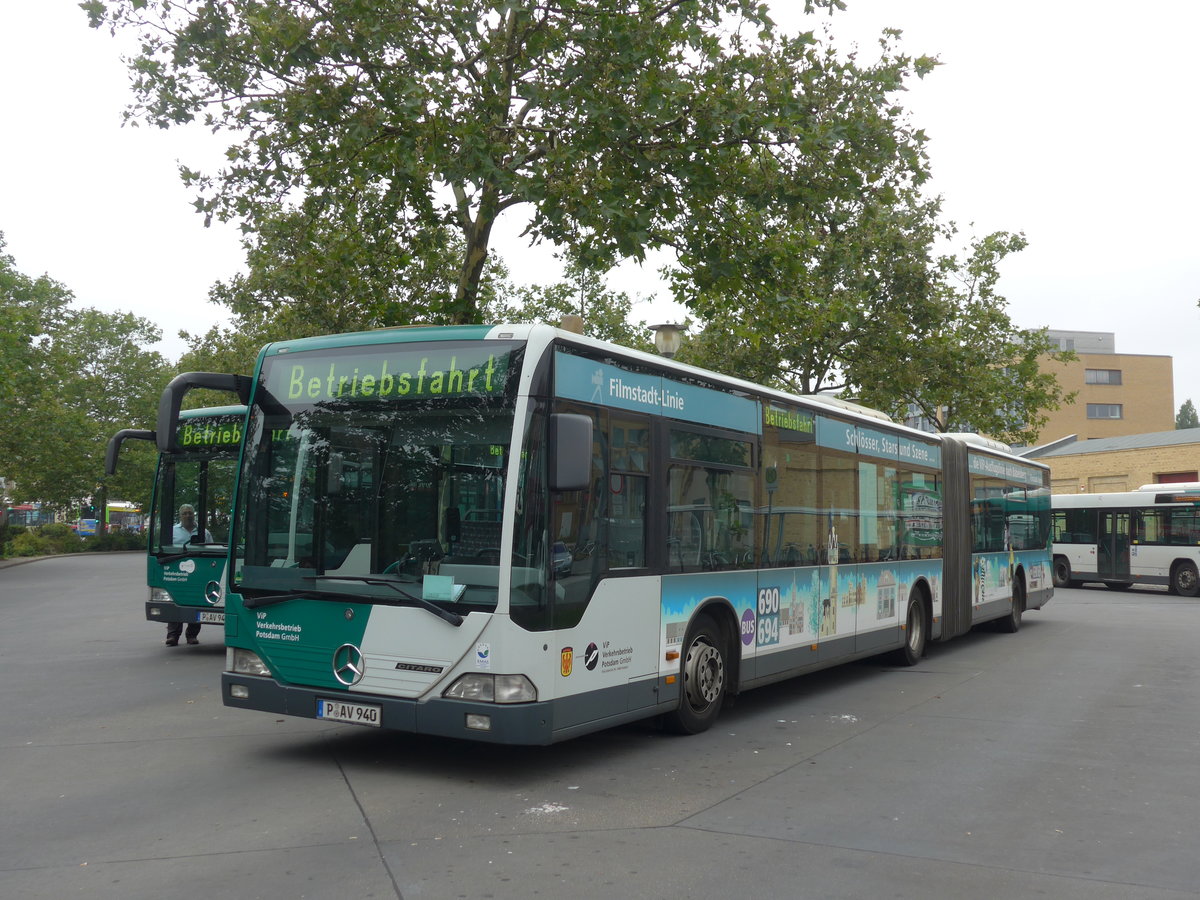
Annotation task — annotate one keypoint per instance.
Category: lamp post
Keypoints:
(667, 338)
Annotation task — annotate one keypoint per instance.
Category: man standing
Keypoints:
(185, 530)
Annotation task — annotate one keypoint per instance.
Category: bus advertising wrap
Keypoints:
(576, 378)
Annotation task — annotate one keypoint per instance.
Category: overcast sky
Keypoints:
(1073, 121)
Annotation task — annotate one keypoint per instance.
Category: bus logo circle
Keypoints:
(748, 627)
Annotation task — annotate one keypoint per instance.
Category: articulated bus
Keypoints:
(517, 534)
(1149, 536)
(186, 574)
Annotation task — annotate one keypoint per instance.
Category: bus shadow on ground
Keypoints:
(360, 748)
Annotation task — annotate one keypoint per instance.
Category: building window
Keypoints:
(1102, 376)
(1104, 411)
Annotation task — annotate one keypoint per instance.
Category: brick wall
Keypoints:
(1120, 470)
(1146, 395)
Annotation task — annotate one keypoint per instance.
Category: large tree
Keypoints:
(972, 368)
(619, 125)
(69, 379)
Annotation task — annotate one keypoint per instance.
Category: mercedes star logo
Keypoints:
(348, 665)
(212, 592)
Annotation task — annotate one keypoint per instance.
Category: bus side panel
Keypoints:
(1039, 582)
(608, 664)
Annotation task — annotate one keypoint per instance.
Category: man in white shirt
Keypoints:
(185, 530)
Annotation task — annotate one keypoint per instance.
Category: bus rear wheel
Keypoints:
(1011, 623)
(1184, 580)
(1062, 572)
(916, 633)
(705, 677)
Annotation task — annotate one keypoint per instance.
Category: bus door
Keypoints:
(1112, 545)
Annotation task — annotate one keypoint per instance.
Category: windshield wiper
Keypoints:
(311, 593)
(446, 615)
(198, 546)
(272, 599)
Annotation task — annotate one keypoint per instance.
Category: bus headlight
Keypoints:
(243, 662)
(160, 595)
(483, 688)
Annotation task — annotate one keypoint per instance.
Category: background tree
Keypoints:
(1186, 417)
(69, 379)
(618, 123)
(606, 313)
(972, 369)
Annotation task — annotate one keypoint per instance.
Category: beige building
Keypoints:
(1116, 393)
(1121, 463)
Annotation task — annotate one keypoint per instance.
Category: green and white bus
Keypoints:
(186, 575)
(1149, 536)
(517, 534)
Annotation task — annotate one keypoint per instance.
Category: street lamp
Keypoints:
(667, 338)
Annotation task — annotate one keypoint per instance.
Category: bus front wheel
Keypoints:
(705, 677)
(1184, 580)
(1011, 623)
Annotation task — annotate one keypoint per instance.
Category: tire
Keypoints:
(1011, 623)
(916, 633)
(1062, 572)
(705, 674)
(1184, 580)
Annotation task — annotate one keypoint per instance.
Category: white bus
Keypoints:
(1138, 537)
(517, 534)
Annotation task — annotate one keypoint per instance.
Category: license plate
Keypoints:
(211, 618)
(354, 713)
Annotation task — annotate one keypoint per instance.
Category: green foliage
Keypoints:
(605, 313)
(1186, 417)
(971, 368)
(363, 131)
(112, 541)
(46, 540)
(69, 379)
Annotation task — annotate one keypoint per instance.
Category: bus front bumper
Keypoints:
(517, 723)
(170, 612)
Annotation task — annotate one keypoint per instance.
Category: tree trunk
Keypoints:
(465, 310)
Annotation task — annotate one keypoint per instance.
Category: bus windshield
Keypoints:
(352, 491)
(194, 488)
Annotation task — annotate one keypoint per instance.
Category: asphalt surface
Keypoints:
(1060, 762)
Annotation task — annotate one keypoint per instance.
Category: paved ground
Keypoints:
(1059, 762)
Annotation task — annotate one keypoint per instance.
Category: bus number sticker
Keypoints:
(768, 616)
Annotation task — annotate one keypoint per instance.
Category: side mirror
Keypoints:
(114, 446)
(172, 399)
(570, 453)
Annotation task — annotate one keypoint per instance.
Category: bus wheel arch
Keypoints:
(707, 670)
(1185, 581)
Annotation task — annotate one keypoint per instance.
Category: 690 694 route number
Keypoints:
(768, 616)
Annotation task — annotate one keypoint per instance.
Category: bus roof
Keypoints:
(540, 336)
(1125, 499)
